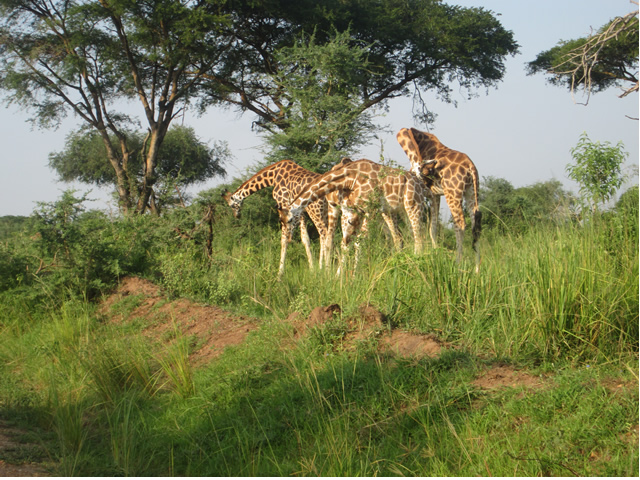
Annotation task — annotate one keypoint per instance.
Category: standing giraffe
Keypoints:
(359, 182)
(446, 172)
(287, 179)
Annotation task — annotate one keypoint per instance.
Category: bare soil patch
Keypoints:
(502, 376)
(211, 328)
(12, 447)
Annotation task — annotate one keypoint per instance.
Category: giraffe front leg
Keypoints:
(284, 241)
(332, 217)
(415, 219)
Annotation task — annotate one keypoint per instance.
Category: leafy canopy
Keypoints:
(183, 159)
(412, 46)
(82, 57)
(326, 118)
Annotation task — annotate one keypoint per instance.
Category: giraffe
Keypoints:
(288, 178)
(445, 172)
(359, 182)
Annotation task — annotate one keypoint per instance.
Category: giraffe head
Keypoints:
(234, 202)
(290, 220)
(428, 168)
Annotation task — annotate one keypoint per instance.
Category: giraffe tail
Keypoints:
(476, 221)
(476, 227)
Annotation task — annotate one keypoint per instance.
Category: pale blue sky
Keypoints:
(522, 131)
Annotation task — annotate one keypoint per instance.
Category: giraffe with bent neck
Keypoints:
(445, 172)
(288, 179)
(358, 182)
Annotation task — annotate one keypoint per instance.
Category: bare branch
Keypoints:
(580, 62)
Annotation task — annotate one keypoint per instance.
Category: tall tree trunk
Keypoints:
(149, 178)
(120, 167)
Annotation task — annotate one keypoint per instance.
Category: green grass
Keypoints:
(559, 303)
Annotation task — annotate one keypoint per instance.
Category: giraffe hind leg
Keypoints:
(350, 223)
(304, 237)
(455, 205)
(392, 224)
(434, 211)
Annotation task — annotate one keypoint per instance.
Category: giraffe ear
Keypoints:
(414, 135)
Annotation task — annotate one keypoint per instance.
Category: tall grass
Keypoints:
(558, 299)
(553, 291)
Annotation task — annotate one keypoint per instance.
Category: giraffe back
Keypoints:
(442, 168)
(358, 182)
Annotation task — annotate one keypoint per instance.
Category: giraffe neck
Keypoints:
(263, 179)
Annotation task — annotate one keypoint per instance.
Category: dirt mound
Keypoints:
(211, 329)
(506, 376)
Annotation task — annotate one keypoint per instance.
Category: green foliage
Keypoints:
(82, 57)
(598, 62)
(515, 210)
(326, 117)
(445, 44)
(558, 302)
(68, 57)
(85, 251)
(263, 410)
(183, 160)
(597, 168)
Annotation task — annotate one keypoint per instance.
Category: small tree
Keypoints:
(325, 115)
(60, 57)
(182, 160)
(598, 169)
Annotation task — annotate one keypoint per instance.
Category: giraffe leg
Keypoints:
(364, 230)
(332, 217)
(284, 241)
(391, 221)
(476, 223)
(434, 210)
(414, 212)
(304, 237)
(323, 241)
(350, 223)
(455, 205)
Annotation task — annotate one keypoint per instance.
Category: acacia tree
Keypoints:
(607, 58)
(325, 116)
(61, 56)
(183, 160)
(412, 46)
(82, 57)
